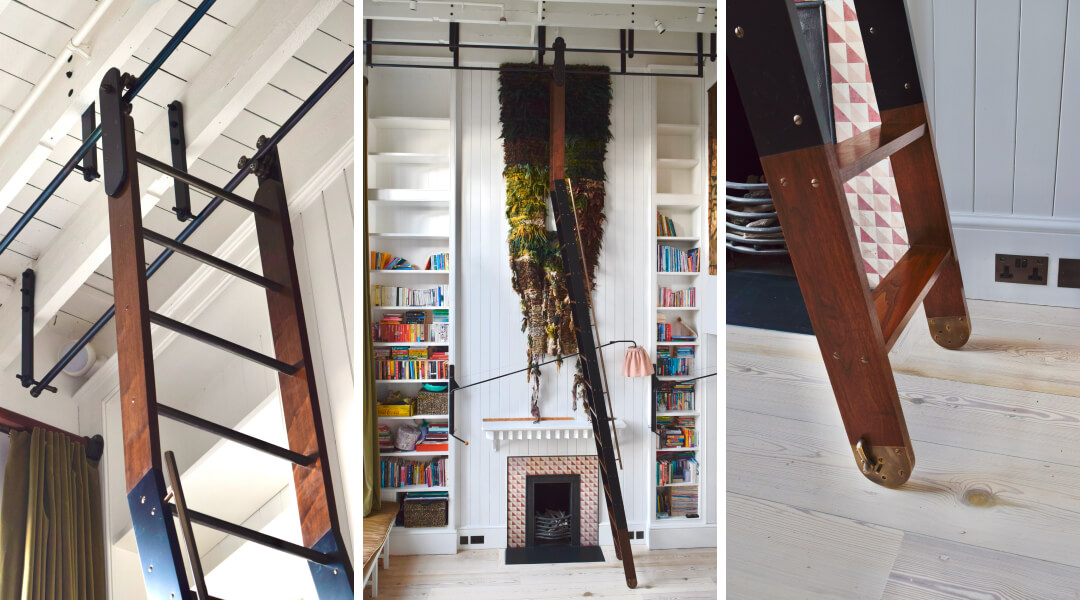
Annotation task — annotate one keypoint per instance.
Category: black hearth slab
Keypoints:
(766, 301)
(542, 555)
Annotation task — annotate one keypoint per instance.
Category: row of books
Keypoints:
(384, 261)
(676, 502)
(436, 439)
(677, 467)
(674, 366)
(676, 299)
(670, 259)
(412, 369)
(397, 472)
(676, 435)
(665, 227)
(674, 352)
(389, 295)
(664, 334)
(395, 332)
(438, 262)
(674, 395)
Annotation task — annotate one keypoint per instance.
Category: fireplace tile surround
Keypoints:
(519, 467)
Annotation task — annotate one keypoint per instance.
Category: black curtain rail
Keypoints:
(455, 387)
(515, 70)
(88, 144)
(529, 48)
(191, 227)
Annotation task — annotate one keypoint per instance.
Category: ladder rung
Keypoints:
(221, 343)
(202, 184)
(860, 152)
(235, 436)
(903, 289)
(260, 538)
(209, 259)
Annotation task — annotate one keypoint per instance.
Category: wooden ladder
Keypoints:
(806, 171)
(152, 514)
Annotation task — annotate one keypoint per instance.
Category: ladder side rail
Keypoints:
(155, 532)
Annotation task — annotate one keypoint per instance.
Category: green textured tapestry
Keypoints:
(535, 262)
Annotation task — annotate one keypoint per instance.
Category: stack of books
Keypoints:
(684, 501)
(438, 262)
(677, 467)
(675, 395)
(396, 472)
(680, 299)
(411, 362)
(676, 432)
(437, 439)
(664, 334)
(386, 439)
(674, 360)
(393, 328)
(665, 227)
(670, 259)
(381, 261)
(389, 295)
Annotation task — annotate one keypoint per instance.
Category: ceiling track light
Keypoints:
(700, 13)
(412, 5)
(659, 27)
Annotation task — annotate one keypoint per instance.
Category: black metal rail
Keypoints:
(233, 183)
(222, 344)
(209, 259)
(234, 436)
(90, 140)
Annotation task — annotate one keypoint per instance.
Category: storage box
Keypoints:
(432, 403)
(395, 410)
(425, 512)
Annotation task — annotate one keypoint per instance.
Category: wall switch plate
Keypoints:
(1017, 268)
(1069, 273)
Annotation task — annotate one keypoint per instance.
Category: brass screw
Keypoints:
(142, 500)
(815, 182)
(865, 360)
(872, 32)
(240, 163)
(798, 119)
(739, 32)
(836, 355)
(907, 86)
(783, 181)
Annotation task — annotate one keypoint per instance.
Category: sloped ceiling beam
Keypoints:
(50, 112)
(239, 69)
(678, 16)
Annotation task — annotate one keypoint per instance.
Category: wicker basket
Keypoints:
(425, 513)
(432, 403)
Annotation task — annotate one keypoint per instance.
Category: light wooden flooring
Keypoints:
(992, 509)
(482, 575)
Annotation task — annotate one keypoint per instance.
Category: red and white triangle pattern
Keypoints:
(519, 467)
(875, 205)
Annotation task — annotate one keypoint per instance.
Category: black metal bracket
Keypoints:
(541, 44)
(89, 126)
(622, 50)
(701, 54)
(455, 39)
(712, 47)
(113, 143)
(178, 143)
(27, 375)
(560, 62)
(269, 166)
(630, 43)
(369, 28)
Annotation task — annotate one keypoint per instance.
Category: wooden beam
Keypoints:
(51, 111)
(244, 64)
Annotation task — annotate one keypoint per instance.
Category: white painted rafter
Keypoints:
(254, 52)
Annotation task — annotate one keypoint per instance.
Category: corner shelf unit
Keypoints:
(413, 211)
(679, 193)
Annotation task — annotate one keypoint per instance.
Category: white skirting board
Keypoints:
(979, 237)
(420, 541)
(667, 538)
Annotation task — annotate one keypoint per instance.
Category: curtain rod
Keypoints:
(13, 421)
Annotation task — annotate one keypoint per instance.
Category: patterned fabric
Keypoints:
(875, 205)
(519, 467)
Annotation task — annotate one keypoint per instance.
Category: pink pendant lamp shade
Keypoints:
(636, 362)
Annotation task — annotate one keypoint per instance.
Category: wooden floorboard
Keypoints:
(993, 507)
(482, 574)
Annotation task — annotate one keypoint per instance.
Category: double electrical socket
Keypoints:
(1032, 270)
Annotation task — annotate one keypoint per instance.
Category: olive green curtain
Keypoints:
(371, 412)
(50, 521)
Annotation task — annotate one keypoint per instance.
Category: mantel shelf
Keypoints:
(497, 431)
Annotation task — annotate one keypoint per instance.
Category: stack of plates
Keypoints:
(752, 226)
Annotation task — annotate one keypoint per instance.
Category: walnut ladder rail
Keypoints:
(806, 171)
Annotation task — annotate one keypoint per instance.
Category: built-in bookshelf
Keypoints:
(678, 215)
(412, 211)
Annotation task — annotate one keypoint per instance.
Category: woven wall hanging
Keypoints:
(535, 261)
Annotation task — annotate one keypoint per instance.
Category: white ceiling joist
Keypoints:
(675, 16)
(49, 113)
(240, 68)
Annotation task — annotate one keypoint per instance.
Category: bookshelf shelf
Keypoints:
(679, 220)
(412, 195)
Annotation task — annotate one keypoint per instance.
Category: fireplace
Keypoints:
(552, 509)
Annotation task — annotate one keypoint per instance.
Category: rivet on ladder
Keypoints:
(142, 500)
(798, 119)
(872, 32)
(739, 32)
(783, 181)
(836, 355)
(865, 360)
(815, 182)
(907, 86)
